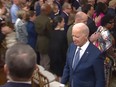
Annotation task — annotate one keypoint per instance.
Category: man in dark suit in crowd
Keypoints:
(89, 10)
(20, 62)
(75, 4)
(85, 68)
(66, 9)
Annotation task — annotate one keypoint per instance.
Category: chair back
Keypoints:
(39, 80)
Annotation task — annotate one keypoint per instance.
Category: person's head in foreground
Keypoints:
(20, 62)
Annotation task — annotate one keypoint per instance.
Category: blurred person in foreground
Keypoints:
(88, 70)
(20, 62)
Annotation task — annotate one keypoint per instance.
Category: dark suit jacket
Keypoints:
(59, 5)
(91, 25)
(12, 84)
(66, 17)
(32, 35)
(75, 4)
(89, 71)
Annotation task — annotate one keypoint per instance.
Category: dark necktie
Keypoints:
(76, 58)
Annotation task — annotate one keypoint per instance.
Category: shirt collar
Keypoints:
(11, 80)
(66, 13)
(84, 47)
(27, 82)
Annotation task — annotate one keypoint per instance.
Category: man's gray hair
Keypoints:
(83, 27)
(21, 61)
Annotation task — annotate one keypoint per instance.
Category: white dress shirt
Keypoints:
(83, 48)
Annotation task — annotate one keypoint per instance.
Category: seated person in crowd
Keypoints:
(10, 36)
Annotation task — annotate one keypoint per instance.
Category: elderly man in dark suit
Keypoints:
(84, 65)
(89, 10)
(20, 63)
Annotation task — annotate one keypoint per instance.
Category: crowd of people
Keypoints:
(56, 30)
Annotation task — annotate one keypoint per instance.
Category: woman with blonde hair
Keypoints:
(20, 26)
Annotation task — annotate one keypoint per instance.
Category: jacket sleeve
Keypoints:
(99, 72)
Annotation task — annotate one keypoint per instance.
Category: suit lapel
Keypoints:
(84, 58)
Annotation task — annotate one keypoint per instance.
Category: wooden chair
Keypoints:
(39, 80)
(43, 78)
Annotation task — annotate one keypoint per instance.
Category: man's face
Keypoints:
(69, 9)
(92, 2)
(16, 2)
(79, 37)
(5, 29)
(83, 19)
(41, 2)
